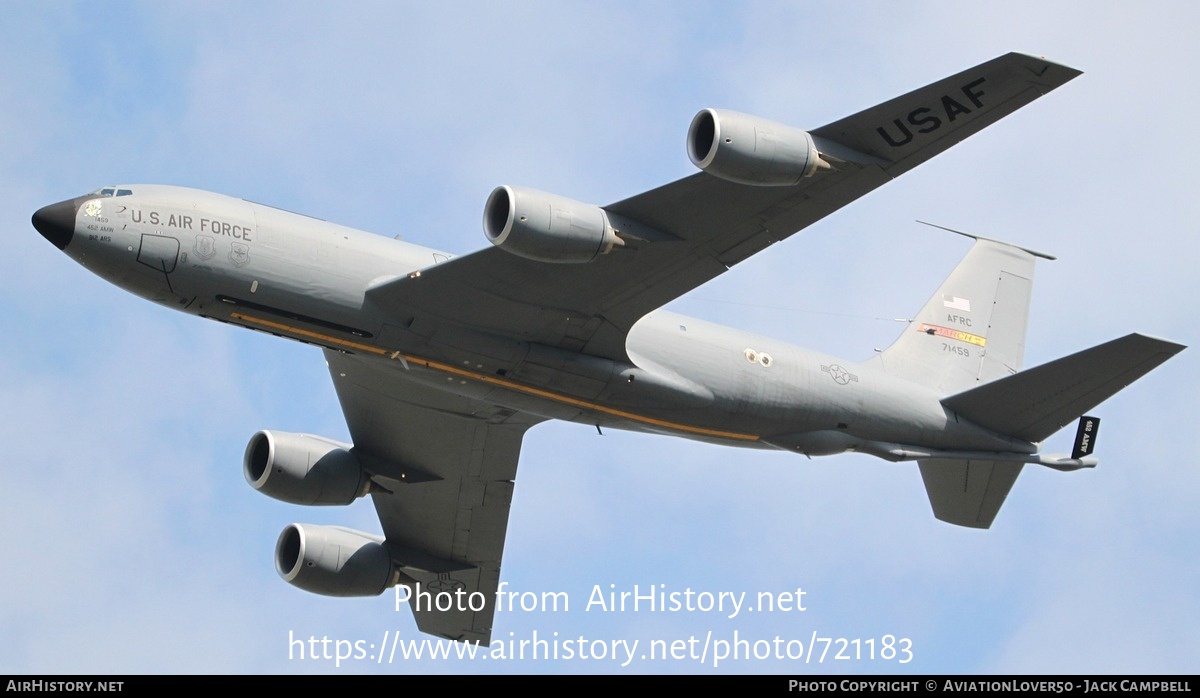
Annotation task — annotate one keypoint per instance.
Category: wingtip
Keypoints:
(1046, 71)
(1167, 345)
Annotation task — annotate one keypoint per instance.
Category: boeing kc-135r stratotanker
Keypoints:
(443, 363)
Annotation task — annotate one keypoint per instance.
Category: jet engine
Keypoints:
(334, 561)
(545, 227)
(303, 469)
(749, 150)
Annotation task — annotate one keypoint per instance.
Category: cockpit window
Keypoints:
(111, 191)
(124, 192)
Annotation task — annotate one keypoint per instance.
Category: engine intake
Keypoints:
(334, 561)
(545, 227)
(303, 469)
(749, 150)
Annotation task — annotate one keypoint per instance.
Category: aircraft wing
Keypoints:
(709, 224)
(444, 466)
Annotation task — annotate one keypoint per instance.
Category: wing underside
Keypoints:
(444, 465)
(710, 224)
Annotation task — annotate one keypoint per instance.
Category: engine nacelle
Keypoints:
(749, 150)
(545, 227)
(334, 561)
(303, 469)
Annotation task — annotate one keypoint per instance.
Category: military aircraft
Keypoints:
(442, 363)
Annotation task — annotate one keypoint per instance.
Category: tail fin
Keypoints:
(1032, 405)
(973, 329)
(969, 340)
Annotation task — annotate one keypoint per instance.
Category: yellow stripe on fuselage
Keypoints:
(492, 380)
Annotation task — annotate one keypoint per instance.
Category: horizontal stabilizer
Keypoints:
(1035, 403)
(968, 492)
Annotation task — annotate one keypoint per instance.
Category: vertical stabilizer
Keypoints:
(973, 329)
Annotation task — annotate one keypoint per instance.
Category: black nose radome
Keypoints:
(56, 222)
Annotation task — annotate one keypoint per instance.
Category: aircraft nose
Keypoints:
(56, 222)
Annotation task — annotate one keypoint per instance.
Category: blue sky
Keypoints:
(133, 543)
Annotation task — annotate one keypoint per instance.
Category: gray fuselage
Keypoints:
(306, 279)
